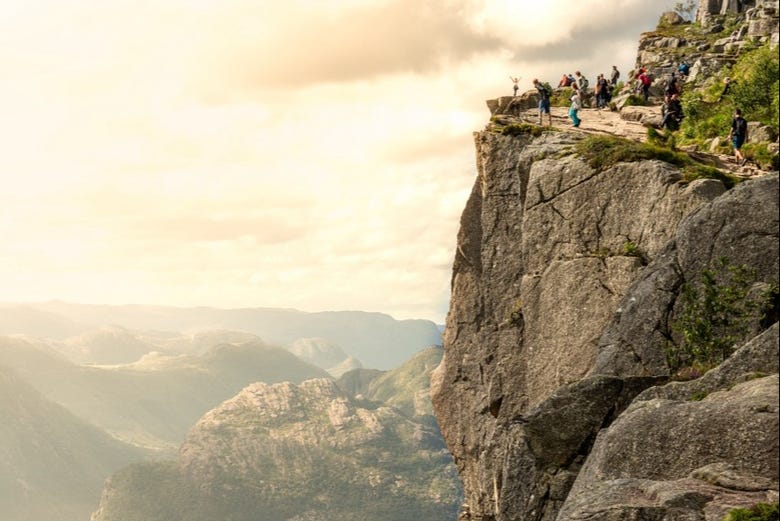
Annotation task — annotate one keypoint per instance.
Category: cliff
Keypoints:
(576, 274)
(566, 283)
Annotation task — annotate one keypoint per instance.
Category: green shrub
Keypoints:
(754, 90)
(631, 250)
(718, 310)
(561, 97)
(635, 100)
(666, 140)
(758, 512)
(759, 153)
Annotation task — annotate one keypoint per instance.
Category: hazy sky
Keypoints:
(242, 153)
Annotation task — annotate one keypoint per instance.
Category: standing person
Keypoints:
(673, 113)
(645, 82)
(515, 84)
(544, 101)
(738, 135)
(726, 88)
(602, 91)
(582, 86)
(615, 75)
(576, 105)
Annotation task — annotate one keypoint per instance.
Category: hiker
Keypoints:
(544, 101)
(582, 86)
(566, 80)
(645, 82)
(581, 81)
(673, 113)
(671, 87)
(576, 105)
(602, 91)
(684, 69)
(615, 75)
(726, 88)
(515, 84)
(738, 135)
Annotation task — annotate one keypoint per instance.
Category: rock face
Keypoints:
(564, 285)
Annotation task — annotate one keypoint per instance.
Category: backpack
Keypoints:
(584, 82)
(740, 126)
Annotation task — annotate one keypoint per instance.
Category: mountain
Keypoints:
(150, 403)
(23, 319)
(106, 345)
(52, 464)
(377, 340)
(324, 354)
(611, 342)
(408, 387)
(293, 452)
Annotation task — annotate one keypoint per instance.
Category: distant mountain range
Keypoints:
(88, 390)
(376, 339)
(151, 403)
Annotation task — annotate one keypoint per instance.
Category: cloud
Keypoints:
(292, 49)
(592, 38)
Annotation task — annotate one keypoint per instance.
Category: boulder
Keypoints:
(760, 133)
(671, 18)
(697, 458)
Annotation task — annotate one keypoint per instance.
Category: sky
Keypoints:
(254, 153)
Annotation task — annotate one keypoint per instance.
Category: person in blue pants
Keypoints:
(576, 105)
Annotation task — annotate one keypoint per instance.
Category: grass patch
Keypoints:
(696, 171)
(759, 153)
(602, 152)
(758, 512)
(698, 396)
(631, 250)
(518, 129)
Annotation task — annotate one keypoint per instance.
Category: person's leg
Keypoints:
(546, 108)
(737, 142)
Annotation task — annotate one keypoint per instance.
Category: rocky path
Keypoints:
(631, 125)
